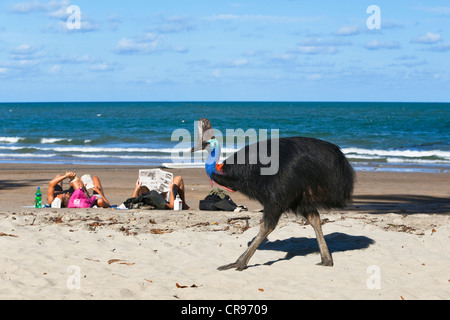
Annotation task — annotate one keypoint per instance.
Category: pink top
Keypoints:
(80, 200)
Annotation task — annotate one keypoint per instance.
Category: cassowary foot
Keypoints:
(242, 261)
(236, 265)
(325, 263)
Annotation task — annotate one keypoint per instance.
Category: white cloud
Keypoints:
(26, 52)
(146, 44)
(86, 26)
(239, 62)
(320, 46)
(317, 50)
(31, 61)
(24, 59)
(56, 10)
(216, 74)
(386, 24)
(315, 76)
(444, 47)
(437, 10)
(94, 64)
(60, 13)
(260, 18)
(114, 22)
(406, 57)
(410, 63)
(37, 6)
(236, 63)
(24, 49)
(228, 63)
(75, 59)
(283, 58)
(376, 45)
(102, 67)
(13, 68)
(175, 24)
(428, 38)
(181, 49)
(55, 69)
(348, 31)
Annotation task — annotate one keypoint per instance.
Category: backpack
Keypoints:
(151, 199)
(217, 200)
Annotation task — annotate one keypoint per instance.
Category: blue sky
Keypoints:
(224, 51)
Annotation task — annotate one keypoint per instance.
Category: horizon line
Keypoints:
(219, 101)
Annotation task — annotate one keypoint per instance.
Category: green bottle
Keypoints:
(38, 199)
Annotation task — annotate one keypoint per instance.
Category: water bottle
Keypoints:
(56, 203)
(38, 199)
(178, 203)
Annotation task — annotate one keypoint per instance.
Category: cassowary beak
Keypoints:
(200, 147)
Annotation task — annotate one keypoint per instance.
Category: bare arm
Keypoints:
(54, 182)
(136, 188)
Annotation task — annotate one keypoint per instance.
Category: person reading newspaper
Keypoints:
(162, 182)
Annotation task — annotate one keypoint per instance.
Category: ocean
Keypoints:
(374, 136)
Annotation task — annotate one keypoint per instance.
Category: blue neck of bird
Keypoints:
(213, 159)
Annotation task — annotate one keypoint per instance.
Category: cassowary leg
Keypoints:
(242, 261)
(314, 220)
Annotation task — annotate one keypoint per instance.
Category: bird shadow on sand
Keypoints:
(301, 246)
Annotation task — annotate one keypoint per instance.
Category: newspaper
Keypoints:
(87, 180)
(155, 179)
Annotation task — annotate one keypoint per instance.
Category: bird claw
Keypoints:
(227, 266)
(325, 263)
(231, 266)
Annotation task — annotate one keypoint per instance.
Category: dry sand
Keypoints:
(391, 243)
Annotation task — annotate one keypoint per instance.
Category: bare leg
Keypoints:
(314, 220)
(241, 263)
(101, 202)
(178, 188)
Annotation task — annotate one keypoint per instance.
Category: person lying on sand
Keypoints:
(55, 190)
(176, 186)
(77, 196)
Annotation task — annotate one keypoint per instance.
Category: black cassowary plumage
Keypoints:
(312, 175)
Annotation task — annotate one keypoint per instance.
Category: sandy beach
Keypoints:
(391, 243)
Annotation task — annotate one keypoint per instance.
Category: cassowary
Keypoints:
(312, 175)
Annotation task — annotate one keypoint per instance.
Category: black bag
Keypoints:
(152, 199)
(217, 201)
